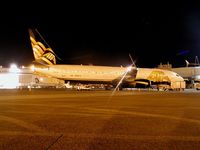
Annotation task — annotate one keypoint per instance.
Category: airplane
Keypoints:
(129, 76)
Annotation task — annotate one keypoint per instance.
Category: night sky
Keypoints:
(105, 36)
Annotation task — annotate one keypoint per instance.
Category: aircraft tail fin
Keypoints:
(42, 52)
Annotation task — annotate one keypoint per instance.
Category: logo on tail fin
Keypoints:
(42, 54)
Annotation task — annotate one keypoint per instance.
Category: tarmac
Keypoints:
(49, 119)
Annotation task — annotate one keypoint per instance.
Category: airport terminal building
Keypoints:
(190, 73)
(23, 77)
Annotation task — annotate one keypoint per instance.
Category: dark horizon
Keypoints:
(150, 34)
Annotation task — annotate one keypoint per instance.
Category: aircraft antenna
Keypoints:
(42, 38)
(133, 63)
(45, 42)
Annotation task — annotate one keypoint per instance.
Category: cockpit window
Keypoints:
(177, 75)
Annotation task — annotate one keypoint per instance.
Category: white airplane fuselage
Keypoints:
(82, 72)
(106, 73)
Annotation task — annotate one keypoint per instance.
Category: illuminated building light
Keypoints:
(13, 68)
(32, 67)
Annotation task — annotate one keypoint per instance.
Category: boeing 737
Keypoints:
(128, 76)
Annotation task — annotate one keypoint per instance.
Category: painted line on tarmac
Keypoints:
(144, 114)
(114, 111)
(102, 136)
(26, 97)
(21, 123)
(91, 113)
(109, 112)
(67, 95)
(40, 105)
